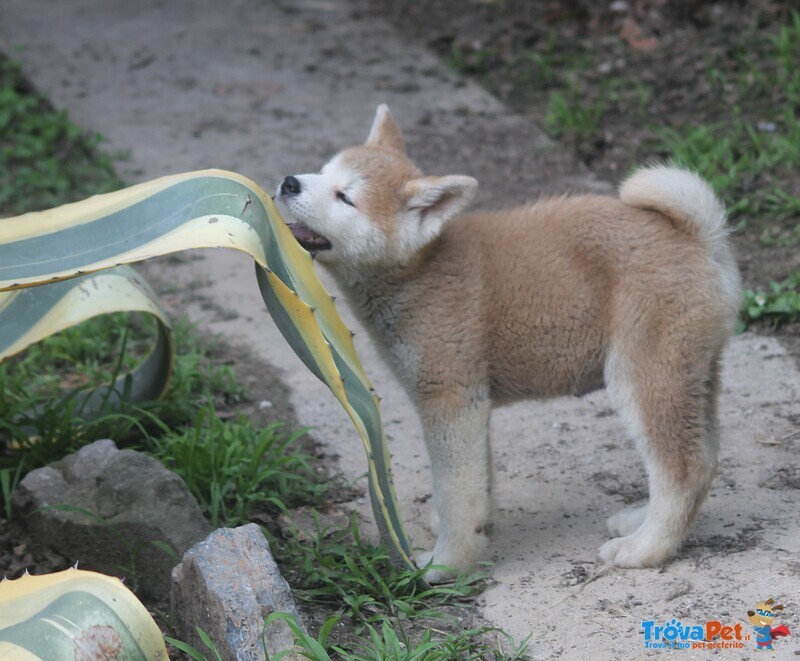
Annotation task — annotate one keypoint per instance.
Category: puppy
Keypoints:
(559, 297)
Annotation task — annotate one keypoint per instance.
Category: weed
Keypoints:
(85, 354)
(231, 467)
(786, 44)
(337, 567)
(780, 305)
(39, 431)
(544, 66)
(391, 641)
(45, 160)
(470, 60)
(196, 379)
(9, 479)
(192, 652)
(570, 115)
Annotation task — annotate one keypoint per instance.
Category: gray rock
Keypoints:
(113, 511)
(227, 585)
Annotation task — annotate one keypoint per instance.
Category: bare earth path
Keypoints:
(270, 88)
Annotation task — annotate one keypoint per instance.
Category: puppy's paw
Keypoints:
(627, 521)
(434, 575)
(434, 522)
(451, 556)
(636, 550)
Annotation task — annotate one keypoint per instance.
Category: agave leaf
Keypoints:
(205, 209)
(75, 614)
(30, 315)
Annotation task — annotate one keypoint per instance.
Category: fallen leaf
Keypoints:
(631, 33)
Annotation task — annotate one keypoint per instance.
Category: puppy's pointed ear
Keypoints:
(437, 199)
(385, 132)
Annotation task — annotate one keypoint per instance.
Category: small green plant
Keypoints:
(232, 467)
(338, 567)
(45, 160)
(42, 431)
(192, 652)
(786, 45)
(570, 114)
(87, 354)
(391, 641)
(779, 305)
(196, 379)
(468, 60)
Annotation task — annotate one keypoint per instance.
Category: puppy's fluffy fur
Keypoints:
(558, 297)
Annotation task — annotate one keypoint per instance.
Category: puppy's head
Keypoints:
(370, 205)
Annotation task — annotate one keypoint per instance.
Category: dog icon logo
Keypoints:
(762, 618)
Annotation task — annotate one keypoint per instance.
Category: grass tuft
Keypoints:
(45, 160)
(336, 566)
(780, 305)
(231, 467)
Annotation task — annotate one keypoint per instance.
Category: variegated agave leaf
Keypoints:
(75, 614)
(30, 315)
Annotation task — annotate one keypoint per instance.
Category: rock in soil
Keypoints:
(113, 511)
(227, 585)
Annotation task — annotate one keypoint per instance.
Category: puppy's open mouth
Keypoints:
(308, 238)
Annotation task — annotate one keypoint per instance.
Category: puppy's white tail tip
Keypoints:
(680, 194)
(687, 198)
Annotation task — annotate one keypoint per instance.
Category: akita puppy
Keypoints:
(558, 297)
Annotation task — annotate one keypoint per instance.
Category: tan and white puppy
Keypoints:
(558, 297)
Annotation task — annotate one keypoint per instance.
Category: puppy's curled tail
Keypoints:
(687, 198)
(680, 194)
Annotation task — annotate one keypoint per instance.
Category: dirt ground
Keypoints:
(301, 80)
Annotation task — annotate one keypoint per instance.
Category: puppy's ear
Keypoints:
(385, 132)
(437, 199)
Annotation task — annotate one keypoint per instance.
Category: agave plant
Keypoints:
(71, 247)
(75, 614)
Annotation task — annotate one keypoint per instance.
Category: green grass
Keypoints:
(571, 115)
(82, 355)
(45, 160)
(752, 159)
(779, 305)
(337, 567)
(43, 389)
(231, 467)
(391, 641)
(197, 378)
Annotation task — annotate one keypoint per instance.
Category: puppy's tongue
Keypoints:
(303, 233)
(308, 238)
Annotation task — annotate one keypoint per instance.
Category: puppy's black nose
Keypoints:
(290, 186)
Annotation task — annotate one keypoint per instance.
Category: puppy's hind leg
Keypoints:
(670, 407)
(457, 436)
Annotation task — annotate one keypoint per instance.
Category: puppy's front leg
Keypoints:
(457, 436)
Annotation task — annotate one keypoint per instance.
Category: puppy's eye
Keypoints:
(342, 197)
